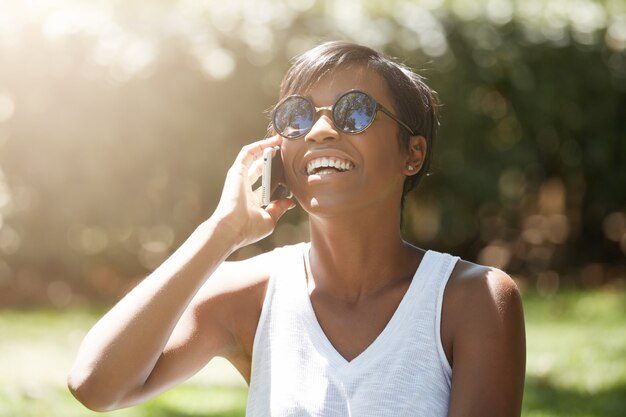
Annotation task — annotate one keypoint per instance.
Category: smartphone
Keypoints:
(273, 180)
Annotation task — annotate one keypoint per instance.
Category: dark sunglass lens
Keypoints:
(293, 117)
(354, 112)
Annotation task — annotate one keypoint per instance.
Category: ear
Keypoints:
(414, 158)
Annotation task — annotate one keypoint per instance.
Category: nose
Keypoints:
(322, 130)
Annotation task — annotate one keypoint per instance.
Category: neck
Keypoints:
(352, 256)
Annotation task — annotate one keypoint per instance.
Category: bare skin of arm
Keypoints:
(484, 339)
(150, 340)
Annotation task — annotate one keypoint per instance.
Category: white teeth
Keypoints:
(326, 162)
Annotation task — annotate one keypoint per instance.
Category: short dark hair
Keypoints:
(415, 103)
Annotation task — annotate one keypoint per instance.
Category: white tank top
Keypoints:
(297, 372)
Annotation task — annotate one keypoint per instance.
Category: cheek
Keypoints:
(381, 156)
(288, 152)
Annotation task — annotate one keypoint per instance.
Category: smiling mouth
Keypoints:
(325, 165)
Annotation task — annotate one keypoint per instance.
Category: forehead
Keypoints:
(339, 80)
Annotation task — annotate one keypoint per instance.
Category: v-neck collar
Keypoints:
(379, 345)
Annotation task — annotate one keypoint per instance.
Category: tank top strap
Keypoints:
(440, 267)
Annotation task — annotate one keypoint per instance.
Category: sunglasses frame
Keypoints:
(378, 107)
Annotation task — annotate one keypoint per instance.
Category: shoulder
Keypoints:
(236, 285)
(470, 282)
(478, 298)
(249, 276)
(484, 338)
(480, 301)
(234, 294)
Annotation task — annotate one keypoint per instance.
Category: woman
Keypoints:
(356, 322)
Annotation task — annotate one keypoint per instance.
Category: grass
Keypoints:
(576, 355)
(189, 400)
(576, 364)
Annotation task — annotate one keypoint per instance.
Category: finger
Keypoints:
(254, 150)
(257, 195)
(255, 171)
(279, 207)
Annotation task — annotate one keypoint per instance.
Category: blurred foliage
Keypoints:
(118, 121)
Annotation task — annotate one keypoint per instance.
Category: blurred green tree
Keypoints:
(118, 121)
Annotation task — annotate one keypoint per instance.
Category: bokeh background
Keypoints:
(119, 119)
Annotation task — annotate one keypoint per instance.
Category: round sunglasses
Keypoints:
(353, 112)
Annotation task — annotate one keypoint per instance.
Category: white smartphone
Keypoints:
(266, 179)
(272, 182)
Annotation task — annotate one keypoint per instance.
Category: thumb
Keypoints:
(279, 207)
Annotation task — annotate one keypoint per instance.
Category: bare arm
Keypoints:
(486, 319)
(133, 352)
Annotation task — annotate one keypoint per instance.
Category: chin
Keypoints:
(329, 205)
